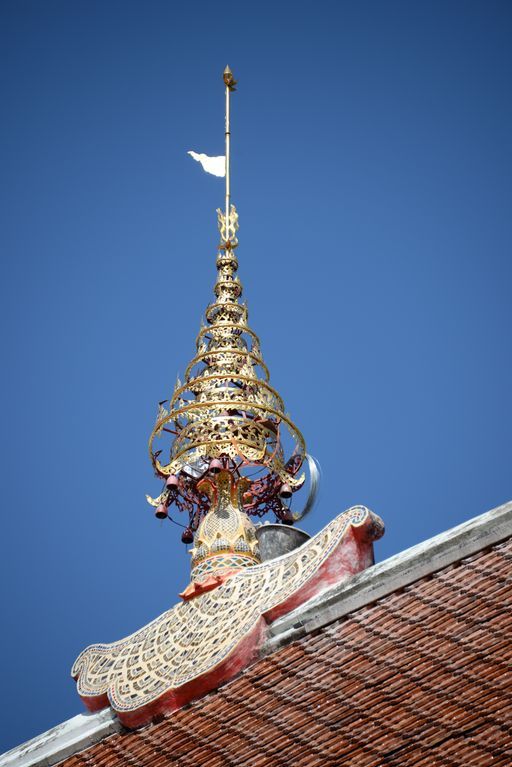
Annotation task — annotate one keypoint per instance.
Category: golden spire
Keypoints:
(226, 416)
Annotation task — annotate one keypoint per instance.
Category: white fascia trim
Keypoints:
(394, 573)
(64, 740)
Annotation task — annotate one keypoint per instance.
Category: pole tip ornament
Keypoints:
(229, 80)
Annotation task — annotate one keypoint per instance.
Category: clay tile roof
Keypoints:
(422, 677)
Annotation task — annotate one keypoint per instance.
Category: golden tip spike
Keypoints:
(229, 80)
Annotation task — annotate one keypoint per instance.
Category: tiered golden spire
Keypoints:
(225, 415)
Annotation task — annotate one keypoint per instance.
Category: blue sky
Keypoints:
(372, 173)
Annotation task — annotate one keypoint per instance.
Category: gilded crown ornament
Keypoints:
(232, 454)
(225, 419)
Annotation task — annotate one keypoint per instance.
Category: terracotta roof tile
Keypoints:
(421, 677)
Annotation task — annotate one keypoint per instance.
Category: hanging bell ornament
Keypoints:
(215, 466)
(161, 512)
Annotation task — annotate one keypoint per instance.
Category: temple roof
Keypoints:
(406, 663)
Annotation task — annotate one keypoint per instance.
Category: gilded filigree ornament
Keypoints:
(228, 229)
(226, 529)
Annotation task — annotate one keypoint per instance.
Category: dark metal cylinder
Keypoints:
(275, 540)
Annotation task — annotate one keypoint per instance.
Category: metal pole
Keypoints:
(228, 159)
(229, 82)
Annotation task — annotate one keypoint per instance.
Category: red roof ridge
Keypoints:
(392, 574)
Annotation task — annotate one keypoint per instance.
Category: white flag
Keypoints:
(214, 165)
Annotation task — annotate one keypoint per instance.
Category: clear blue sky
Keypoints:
(372, 173)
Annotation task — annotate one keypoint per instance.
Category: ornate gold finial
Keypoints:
(226, 416)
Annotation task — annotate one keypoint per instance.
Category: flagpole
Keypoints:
(230, 83)
(228, 154)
